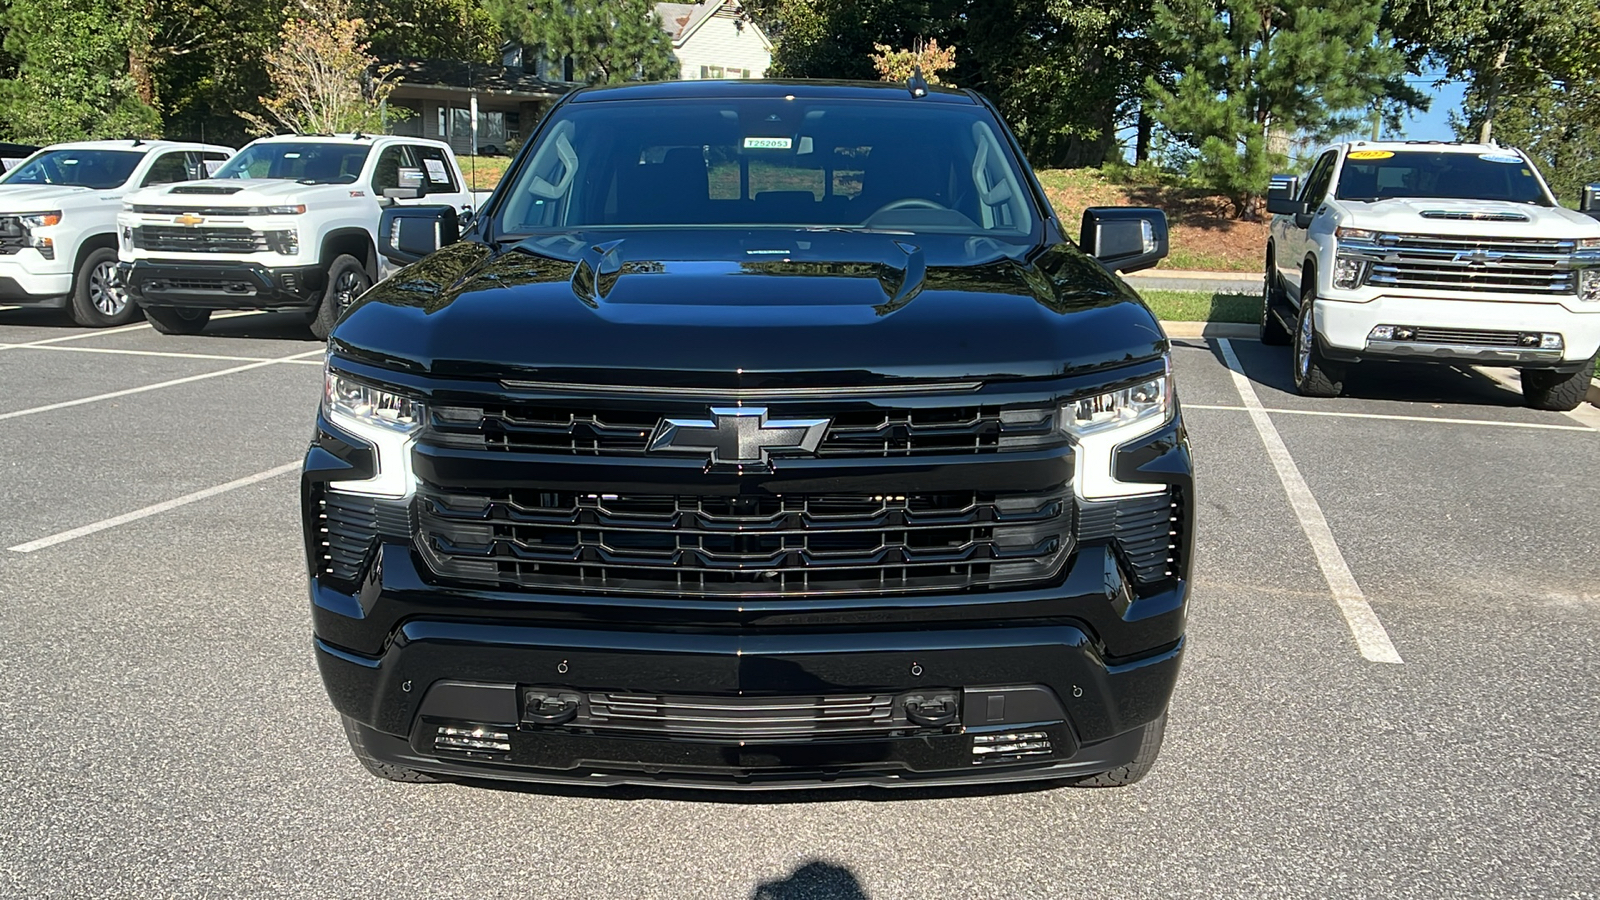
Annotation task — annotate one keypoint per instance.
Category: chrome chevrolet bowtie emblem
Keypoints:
(1478, 256)
(738, 436)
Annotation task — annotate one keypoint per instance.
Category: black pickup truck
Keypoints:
(756, 434)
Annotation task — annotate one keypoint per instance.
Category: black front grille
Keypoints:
(742, 718)
(200, 285)
(1471, 336)
(745, 546)
(348, 528)
(870, 432)
(13, 237)
(1144, 530)
(177, 239)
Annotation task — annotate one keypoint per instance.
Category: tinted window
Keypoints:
(892, 165)
(1462, 176)
(168, 168)
(1317, 181)
(313, 162)
(81, 168)
(386, 171)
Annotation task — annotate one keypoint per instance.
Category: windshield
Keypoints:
(890, 165)
(99, 169)
(1382, 174)
(311, 162)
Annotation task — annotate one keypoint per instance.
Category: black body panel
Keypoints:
(221, 285)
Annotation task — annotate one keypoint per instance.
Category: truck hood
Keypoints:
(15, 198)
(233, 192)
(1437, 216)
(673, 309)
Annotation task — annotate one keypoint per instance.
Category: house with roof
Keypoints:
(716, 39)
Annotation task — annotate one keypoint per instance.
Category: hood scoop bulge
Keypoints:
(204, 189)
(1473, 215)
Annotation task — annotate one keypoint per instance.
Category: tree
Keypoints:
(611, 42)
(434, 29)
(323, 78)
(71, 80)
(1255, 73)
(899, 65)
(1561, 136)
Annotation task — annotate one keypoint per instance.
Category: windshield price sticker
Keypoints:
(768, 143)
(1370, 154)
(1500, 158)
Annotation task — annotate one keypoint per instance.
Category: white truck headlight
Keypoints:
(1098, 425)
(41, 220)
(1589, 285)
(385, 419)
(1347, 272)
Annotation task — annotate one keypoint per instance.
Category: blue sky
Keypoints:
(1434, 125)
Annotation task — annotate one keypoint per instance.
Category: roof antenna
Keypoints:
(138, 142)
(916, 84)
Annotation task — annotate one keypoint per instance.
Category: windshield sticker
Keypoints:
(436, 172)
(767, 143)
(1370, 154)
(1501, 158)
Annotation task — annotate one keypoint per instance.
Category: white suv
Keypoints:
(58, 220)
(1454, 253)
(290, 223)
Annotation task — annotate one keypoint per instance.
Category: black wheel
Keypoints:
(178, 321)
(1543, 389)
(347, 280)
(98, 301)
(387, 771)
(1143, 761)
(1272, 331)
(1314, 376)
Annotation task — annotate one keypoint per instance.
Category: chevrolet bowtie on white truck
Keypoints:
(58, 220)
(1454, 253)
(289, 224)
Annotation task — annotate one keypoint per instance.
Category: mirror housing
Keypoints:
(1281, 196)
(1589, 201)
(1124, 238)
(409, 233)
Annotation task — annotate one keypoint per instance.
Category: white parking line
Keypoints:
(151, 510)
(1371, 638)
(170, 354)
(1355, 415)
(1511, 380)
(98, 332)
(152, 387)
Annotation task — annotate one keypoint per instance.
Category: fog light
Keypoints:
(1402, 333)
(1551, 342)
(1589, 285)
(472, 740)
(1382, 333)
(46, 247)
(1346, 272)
(1012, 745)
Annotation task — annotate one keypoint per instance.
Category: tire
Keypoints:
(1314, 375)
(1272, 331)
(347, 280)
(1143, 761)
(386, 771)
(178, 321)
(96, 300)
(1543, 389)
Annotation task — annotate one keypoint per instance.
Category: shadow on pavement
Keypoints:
(265, 326)
(815, 880)
(1450, 383)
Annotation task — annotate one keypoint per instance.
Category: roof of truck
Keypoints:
(137, 145)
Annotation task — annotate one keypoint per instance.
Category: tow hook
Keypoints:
(541, 708)
(933, 710)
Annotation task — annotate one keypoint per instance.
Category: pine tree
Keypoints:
(609, 42)
(1253, 73)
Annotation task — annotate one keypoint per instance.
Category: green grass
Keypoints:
(489, 169)
(1204, 306)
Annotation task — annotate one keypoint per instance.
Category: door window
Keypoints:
(386, 174)
(436, 169)
(1317, 183)
(168, 168)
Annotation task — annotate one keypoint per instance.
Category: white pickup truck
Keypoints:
(290, 223)
(58, 220)
(1454, 253)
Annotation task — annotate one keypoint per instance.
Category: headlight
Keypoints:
(1589, 285)
(1589, 243)
(1346, 272)
(1098, 425)
(386, 420)
(41, 220)
(1354, 234)
(295, 210)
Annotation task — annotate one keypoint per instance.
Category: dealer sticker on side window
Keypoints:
(768, 143)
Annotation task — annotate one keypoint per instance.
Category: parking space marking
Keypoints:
(97, 332)
(165, 353)
(1386, 416)
(1511, 379)
(163, 384)
(153, 509)
(1370, 636)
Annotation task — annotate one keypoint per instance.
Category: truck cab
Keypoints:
(290, 224)
(58, 220)
(1451, 253)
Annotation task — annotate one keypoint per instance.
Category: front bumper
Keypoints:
(222, 285)
(1075, 713)
(28, 279)
(1345, 328)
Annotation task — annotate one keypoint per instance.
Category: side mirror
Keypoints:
(408, 233)
(1124, 238)
(1281, 196)
(1589, 202)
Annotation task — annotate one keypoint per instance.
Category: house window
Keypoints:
(705, 71)
(441, 132)
(735, 73)
(716, 71)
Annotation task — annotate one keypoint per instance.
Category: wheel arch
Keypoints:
(354, 242)
(106, 240)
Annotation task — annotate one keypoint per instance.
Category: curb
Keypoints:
(1196, 275)
(1594, 392)
(1216, 330)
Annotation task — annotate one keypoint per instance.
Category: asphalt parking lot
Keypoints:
(1392, 686)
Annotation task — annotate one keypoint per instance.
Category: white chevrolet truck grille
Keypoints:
(1459, 263)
